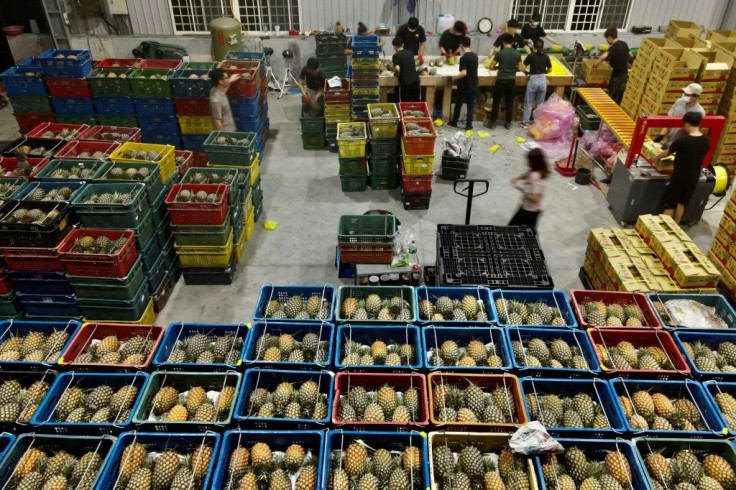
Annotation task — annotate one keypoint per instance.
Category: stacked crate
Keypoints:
(337, 108)
(366, 239)
(313, 129)
(351, 145)
(672, 70)
(28, 95)
(65, 73)
(725, 153)
(417, 159)
(640, 72)
(190, 87)
(383, 128)
(365, 71)
(112, 93)
(331, 54)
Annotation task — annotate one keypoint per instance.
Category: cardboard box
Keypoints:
(637, 81)
(720, 252)
(649, 45)
(649, 107)
(714, 86)
(692, 42)
(711, 99)
(661, 228)
(649, 149)
(717, 65)
(677, 63)
(667, 85)
(682, 28)
(599, 74)
(728, 281)
(630, 102)
(730, 211)
(725, 46)
(715, 35)
(689, 266)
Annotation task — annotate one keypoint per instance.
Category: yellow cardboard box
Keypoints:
(650, 45)
(728, 281)
(717, 66)
(682, 28)
(649, 106)
(676, 63)
(716, 86)
(662, 226)
(725, 45)
(649, 149)
(713, 98)
(599, 74)
(715, 35)
(689, 266)
(720, 252)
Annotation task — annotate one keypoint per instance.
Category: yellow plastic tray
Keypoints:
(250, 224)
(166, 159)
(206, 256)
(353, 147)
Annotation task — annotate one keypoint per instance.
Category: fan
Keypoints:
(292, 54)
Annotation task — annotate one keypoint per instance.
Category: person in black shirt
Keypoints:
(467, 84)
(618, 57)
(512, 26)
(414, 37)
(312, 83)
(533, 31)
(406, 71)
(450, 39)
(690, 149)
(536, 88)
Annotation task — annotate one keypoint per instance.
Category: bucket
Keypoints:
(582, 177)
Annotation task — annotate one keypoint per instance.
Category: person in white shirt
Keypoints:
(687, 103)
(532, 184)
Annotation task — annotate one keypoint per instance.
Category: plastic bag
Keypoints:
(553, 120)
(533, 438)
(556, 149)
(689, 313)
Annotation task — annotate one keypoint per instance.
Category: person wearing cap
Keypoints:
(451, 38)
(512, 26)
(618, 57)
(414, 37)
(687, 103)
(533, 31)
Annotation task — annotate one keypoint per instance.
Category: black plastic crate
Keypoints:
(207, 276)
(473, 271)
(416, 201)
(448, 173)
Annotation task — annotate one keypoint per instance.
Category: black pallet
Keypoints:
(479, 271)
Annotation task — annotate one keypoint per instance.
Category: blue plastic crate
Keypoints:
(154, 107)
(50, 305)
(555, 299)
(431, 293)
(369, 40)
(434, 336)
(158, 124)
(283, 293)
(390, 334)
(179, 332)
(18, 83)
(184, 86)
(41, 283)
(325, 331)
(599, 390)
(35, 60)
(366, 52)
(183, 443)
(574, 338)
(248, 125)
(17, 328)
(6, 441)
(73, 106)
(25, 379)
(312, 442)
(246, 106)
(44, 416)
(596, 451)
(722, 307)
(57, 64)
(115, 105)
(173, 139)
(713, 388)
(76, 186)
(246, 56)
(339, 440)
(193, 142)
(270, 379)
(710, 339)
(673, 389)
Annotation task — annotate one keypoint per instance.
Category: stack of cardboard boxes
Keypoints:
(672, 70)
(640, 73)
(721, 253)
(725, 153)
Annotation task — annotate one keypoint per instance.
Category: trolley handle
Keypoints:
(469, 193)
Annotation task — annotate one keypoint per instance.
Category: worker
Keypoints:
(687, 103)
(467, 84)
(406, 70)
(536, 88)
(618, 57)
(532, 185)
(312, 84)
(450, 39)
(512, 28)
(533, 31)
(690, 150)
(414, 37)
(508, 62)
(362, 31)
(222, 115)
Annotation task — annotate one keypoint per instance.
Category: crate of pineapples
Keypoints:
(710, 355)
(11, 187)
(116, 205)
(369, 401)
(593, 464)
(473, 459)
(98, 253)
(649, 354)
(127, 172)
(162, 155)
(693, 311)
(536, 308)
(289, 345)
(50, 191)
(667, 408)
(444, 306)
(21, 395)
(369, 459)
(573, 407)
(72, 170)
(687, 463)
(87, 150)
(361, 348)
(542, 351)
(254, 460)
(55, 461)
(33, 346)
(485, 402)
(87, 403)
(272, 399)
(201, 346)
(722, 396)
(295, 303)
(595, 309)
(374, 304)
(465, 349)
(34, 224)
(141, 460)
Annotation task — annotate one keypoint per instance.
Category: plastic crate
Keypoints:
(384, 182)
(99, 265)
(192, 106)
(15, 328)
(179, 332)
(692, 390)
(718, 302)
(413, 106)
(416, 183)
(31, 104)
(230, 155)
(47, 234)
(385, 292)
(195, 124)
(50, 305)
(417, 164)
(10, 308)
(153, 125)
(102, 84)
(153, 107)
(641, 338)
(312, 124)
(68, 63)
(119, 121)
(105, 310)
(195, 143)
(44, 416)
(366, 229)
(337, 94)
(49, 147)
(97, 215)
(159, 64)
(197, 213)
(117, 63)
(555, 299)
(110, 288)
(351, 147)
(44, 259)
(247, 85)
(315, 141)
(43, 283)
(27, 122)
(144, 417)
(283, 293)
(714, 388)
(111, 133)
(430, 293)
(73, 131)
(17, 184)
(19, 81)
(164, 156)
(383, 148)
(419, 144)
(86, 150)
(152, 183)
(68, 87)
(77, 446)
(172, 138)
(353, 167)
(209, 276)
(206, 256)
(198, 65)
(6, 286)
(73, 106)
(146, 318)
(184, 160)
(243, 107)
(91, 331)
(711, 340)
(352, 183)
(9, 166)
(6, 441)
(416, 201)
(90, 120)
(143, 86)
(580, 297)
(46, 174)
(574, 338)
(325, 332)
(203, 236)
(382, 127)
(589, 120)
(366, 335)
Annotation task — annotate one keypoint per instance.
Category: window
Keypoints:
(194, 16)
(575, 15)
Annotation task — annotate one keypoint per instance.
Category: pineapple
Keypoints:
(470, 461)
(687, 467)
(382, 464)
(659, 468)
(577, 464)
(141, 479)
(260, 454)
(164, 469)
(164, 400)
(200, 461)
(293, 306)
(355, 459)
(618, 467)
(643, 404)
(134, 455)
(238, 464)
(720, 470)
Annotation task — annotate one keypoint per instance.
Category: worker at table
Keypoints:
(533, 31)
(451, 38)
(687, 103)
(508, 62)
(406, 70)
(512, 26)
(618, 57)
(414, 37)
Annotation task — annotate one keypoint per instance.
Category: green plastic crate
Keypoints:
(366, 229)
(88, 120)
(9, 307)
(353, 166)
(146, 87)
(145, 230)
(383, 182)
(152, 182)
(383, 166)
(46, 174)
(119, 288)
(30, 104)
(351, 183)
(95, 215)
(102, 85)
(119, 121)
(589, 120)
(198, 65)
(210, 236)
(232, 155)
(313, 141)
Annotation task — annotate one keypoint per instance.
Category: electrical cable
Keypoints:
(715, 203)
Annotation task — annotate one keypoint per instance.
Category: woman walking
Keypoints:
(532, 185)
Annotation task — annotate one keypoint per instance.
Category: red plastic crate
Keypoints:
(75, 148)
(6, 286)
(245, 86)
(159, 64)
(188, 160)
(581, 296)
(98, 265)
(27, 122)
(199, 158)
(192, 106)
(8, 164)
(90, 332)
(68, 87)
(372, 382)
(56, 128)
(609, 337)
(32, 259)
(197, 213)
(366, 253)
(117, 63)
(415, 183)
(337, 94)
(413, 106)
(419, 145)
(92, 134)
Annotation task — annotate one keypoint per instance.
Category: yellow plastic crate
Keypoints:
(195, 124)
(248, 206)
(250, 224)
(383, 127)
(337, 110)
(353, 147)
(165, 157)
(366, 91)
(240, 246)
(367, 64)
(417, 164)
(206, 256)
(147, 318)
(337, 119)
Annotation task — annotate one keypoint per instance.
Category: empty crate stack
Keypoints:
(365, 72)
(383, 128)
(351, 143)
(366, 239)
(28, 95)
(337, 107)
(456, 157)
(150, 83)
(417, 159)
(333, 61)
(190, 87)
(313, 128)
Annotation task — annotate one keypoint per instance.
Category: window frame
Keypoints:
(570, 14)
(237, 11)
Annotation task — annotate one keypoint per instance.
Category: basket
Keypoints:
(210, 236)
(555, 299)
(325, 332)
(195, 124)
(494, 338)
(117, 63)
(711, 340)
(159, 64)
(230, 155)
(119, 121)
(245, 86)
(574, 338)
(192, 106)
(97, 215)
(197, 213)
(27, 122)
(68, 87)
(692, 390)
(384, 149)
(30, 235)
(589, 120)
(98, 265)
(715, 388)
(153, 111)
(361, 292)
(164, 157)
(144, 417)
(31, 104)
(147, 87)
(6, 441)
(145, 306)
(313, 141)
(366, 335)
(353, 167)
(101, 84)
(10, 308)
(14, 328)
(384, 182)
(184, 160)
(431, 293)
(206, 256)
(668, 446)
(366, 229)
(49, 146)
(67, 63)
(91, 331)
(18, 82)
(208, 276)
(50, 305)
(152, 183)
(44, 259)
(154, 127)
(73, 106)
(112, 288)
(46, 174)
(580, 297)
(74, 131)
(199, 65)
(179, 332)
(413, 106)
(416, 183)
(283, 293)
(416, 201)
(640, 338)
(416, 144)
(351, 147)
(9, 166)
(89, 120)
(85, 150)
(354, 183)
(416, 164)
(17, 186)
(43, 283)
(382, 127)
(44, 416)
(718, 302)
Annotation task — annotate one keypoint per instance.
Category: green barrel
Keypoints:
(226, 36)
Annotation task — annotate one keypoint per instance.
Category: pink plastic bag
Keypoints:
(553, 120)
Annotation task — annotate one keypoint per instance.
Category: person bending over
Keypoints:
(312, 84)
(405, 69)
(450, 39)
(414, 37)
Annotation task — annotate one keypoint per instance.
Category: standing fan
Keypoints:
(292, 55)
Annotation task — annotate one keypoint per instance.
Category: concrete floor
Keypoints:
(302, 193)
